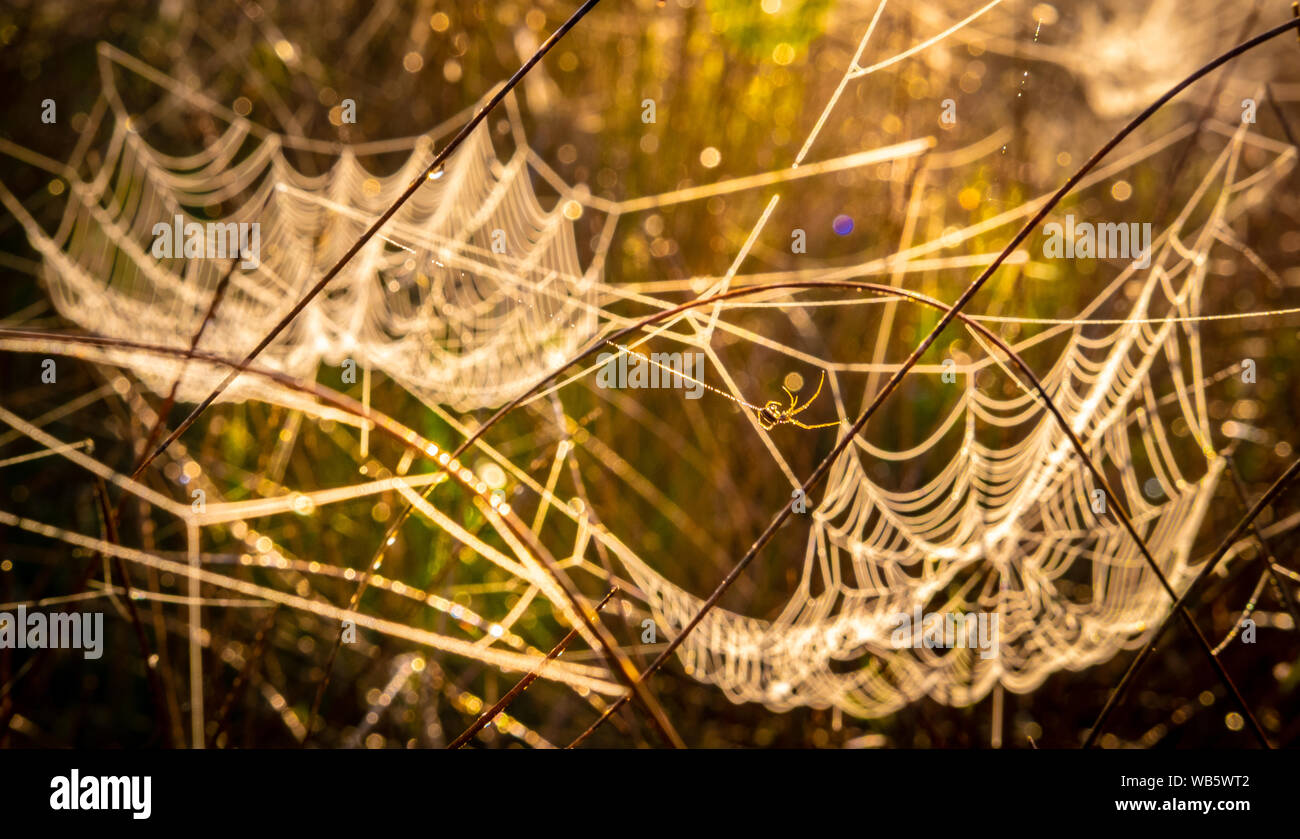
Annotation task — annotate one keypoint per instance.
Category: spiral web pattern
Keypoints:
(1004, 523)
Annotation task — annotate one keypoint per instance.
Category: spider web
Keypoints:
(1006, 528)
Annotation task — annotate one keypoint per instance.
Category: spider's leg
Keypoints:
(820, 382)
(794, 400)
(811, 427)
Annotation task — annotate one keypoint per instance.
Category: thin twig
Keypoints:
(160, 422)
(1113, 700)
(259, 646)
(1281, 589)
(522, 685)
(146, 653)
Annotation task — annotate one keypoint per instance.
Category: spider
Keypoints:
(773, 414)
